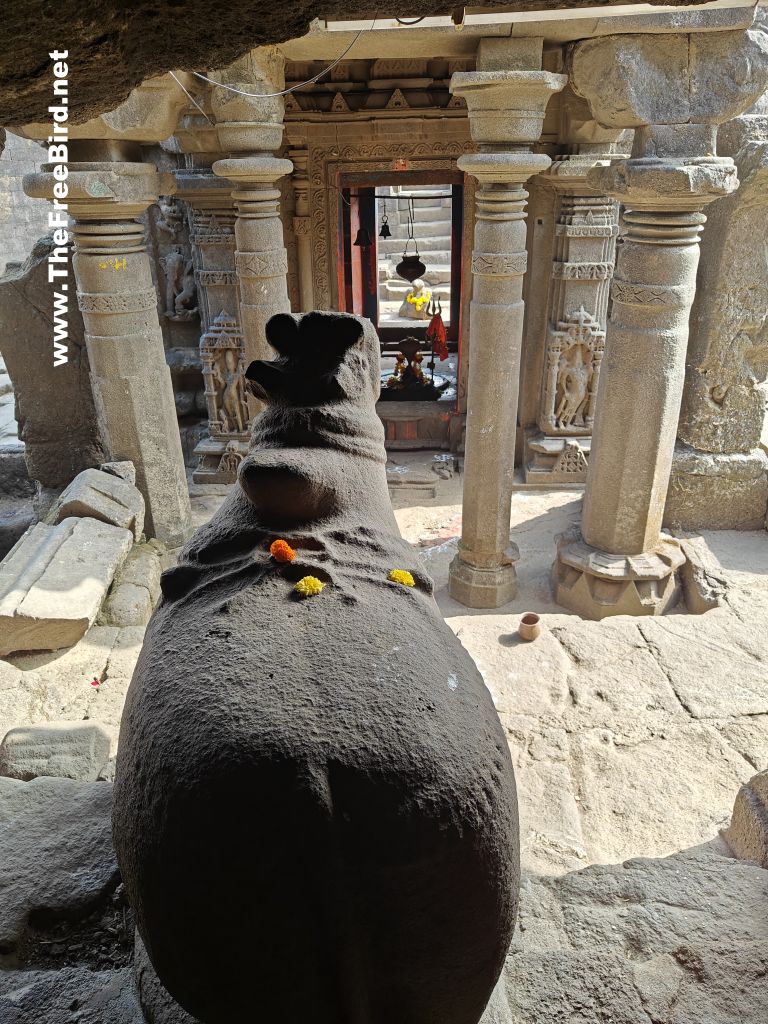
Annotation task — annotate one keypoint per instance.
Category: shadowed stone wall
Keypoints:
(22, 220)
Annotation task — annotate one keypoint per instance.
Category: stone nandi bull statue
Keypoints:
(315, 811)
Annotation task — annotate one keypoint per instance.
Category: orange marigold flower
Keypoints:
(281, 551)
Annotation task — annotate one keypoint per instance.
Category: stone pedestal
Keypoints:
(115, 293)
(719, 471)
(623, 564)
(506, 111)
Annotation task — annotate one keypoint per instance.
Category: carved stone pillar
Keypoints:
(506, 113)
(584, 251)
(720, 471)
(254, 126)
(107, 189)
(115, 293)
(622, 563)
(301, 227)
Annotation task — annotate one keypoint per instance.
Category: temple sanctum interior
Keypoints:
(308, 312)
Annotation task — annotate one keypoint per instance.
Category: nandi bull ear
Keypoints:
(282, 332)
(332, 333)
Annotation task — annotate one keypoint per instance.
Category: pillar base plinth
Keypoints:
(595, 584)
(709, 491)
(481, 588)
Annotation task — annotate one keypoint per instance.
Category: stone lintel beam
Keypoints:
(115, 293)
(506, 113)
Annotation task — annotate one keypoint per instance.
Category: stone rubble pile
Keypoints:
(85, 563)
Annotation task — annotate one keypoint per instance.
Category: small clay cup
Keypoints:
(530, 626)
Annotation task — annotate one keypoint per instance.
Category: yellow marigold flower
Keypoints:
(401, 576)
(281, 551)
(308, 586)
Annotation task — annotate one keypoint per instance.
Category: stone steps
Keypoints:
(394, 247)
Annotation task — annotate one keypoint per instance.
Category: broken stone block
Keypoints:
(53, 582)
(125, 470)
(65, 750)
(127, 605)
(136, 588)
(56, 854)
(747, 835)
(102, 496)
(701, 577)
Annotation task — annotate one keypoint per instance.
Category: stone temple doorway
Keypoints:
(383, 217)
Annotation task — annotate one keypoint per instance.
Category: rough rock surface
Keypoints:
(128, 45)
(681, 940)
(102, 496)
(56, 856)
(381, 820)
(747, 835)
(53, 583)
(56, 412)
(65, 750)
(74, 995)
(59, 685)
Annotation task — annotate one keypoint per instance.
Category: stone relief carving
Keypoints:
(171, 218)
(502, 264)
(180, 293)
(227, 371)
(221, 352)
(573, 356)
(646, 294)
(128, 302)
(582, 271)
(270, 263)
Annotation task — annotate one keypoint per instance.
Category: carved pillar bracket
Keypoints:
(506, 112)
(132, 383)
(251, 128)
(623, 564)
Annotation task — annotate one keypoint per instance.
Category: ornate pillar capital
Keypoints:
(700, 78)
(506, 107)
(104, 190)
(650, 183)
(247, 122)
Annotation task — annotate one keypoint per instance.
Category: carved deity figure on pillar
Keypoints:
(222, 358)
(228, 374)
(179, 285)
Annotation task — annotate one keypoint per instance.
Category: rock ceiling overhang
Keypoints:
(114, 46)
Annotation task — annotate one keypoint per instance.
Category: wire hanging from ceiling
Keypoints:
(293, 88)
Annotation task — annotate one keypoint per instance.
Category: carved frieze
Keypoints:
(499, 264)
(632, 294)
(269, 263)
(582, 271)
(109, 302)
